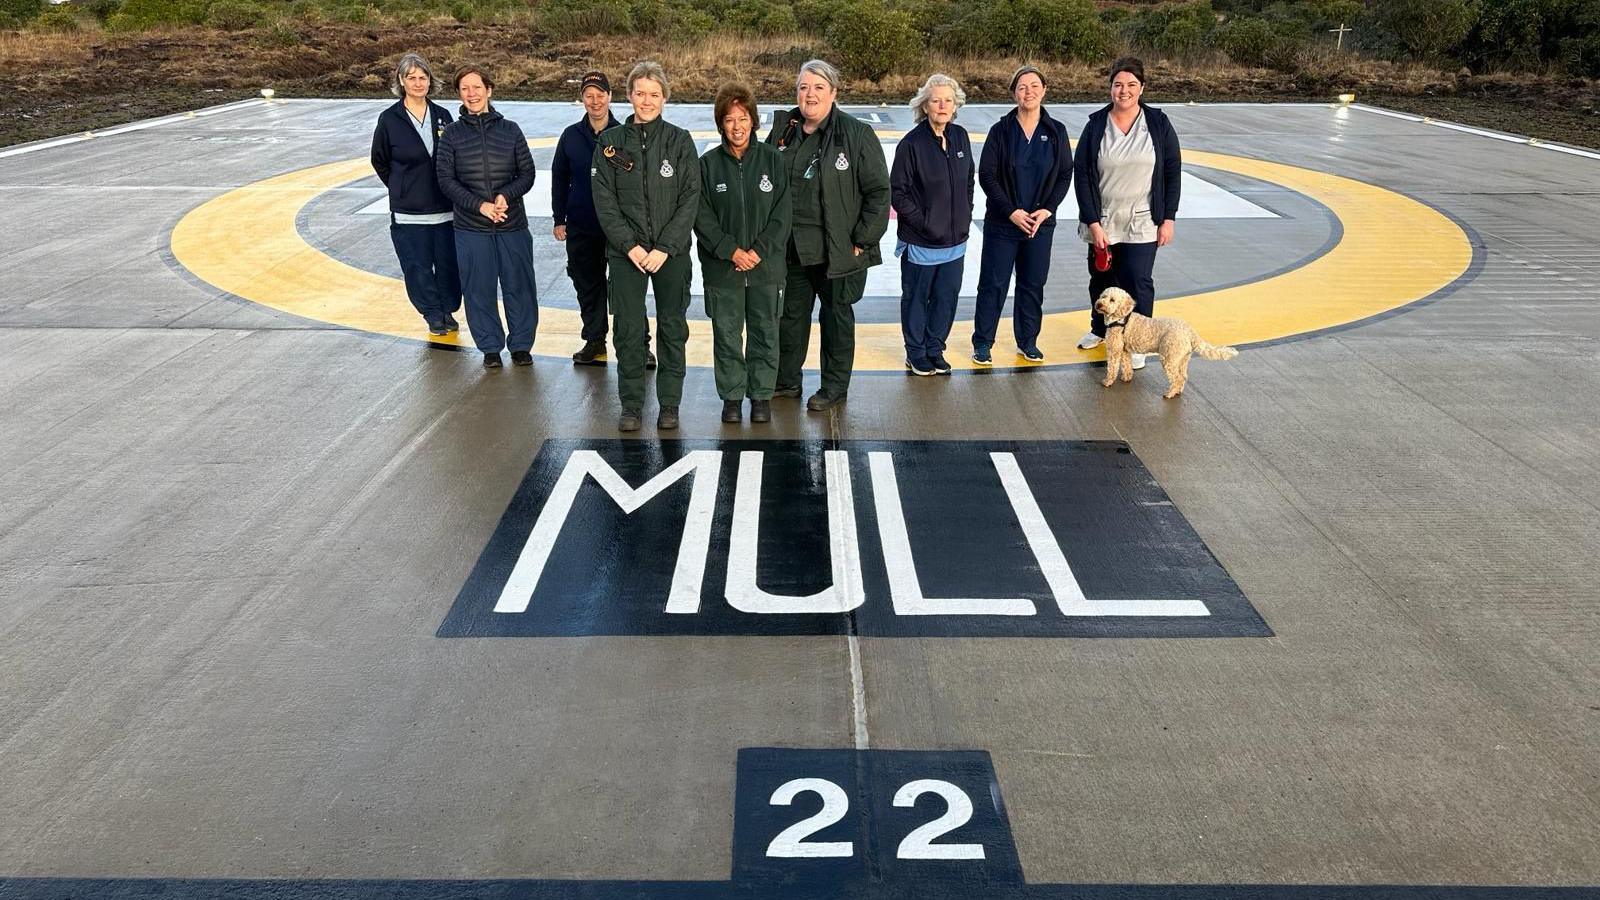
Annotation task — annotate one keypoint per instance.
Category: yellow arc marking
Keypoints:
(1394, 251)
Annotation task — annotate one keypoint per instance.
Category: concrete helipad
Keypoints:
(297, 601)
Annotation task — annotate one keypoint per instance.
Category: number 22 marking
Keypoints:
(792, 843)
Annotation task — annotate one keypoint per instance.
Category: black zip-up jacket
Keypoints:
(933, 186)
(744, 205)
(481, 156)
(646, 187)
(1165, 184)
(402, 161)
(571, 194)
(997, 171)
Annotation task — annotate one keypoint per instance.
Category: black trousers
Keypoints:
(427, 255)
(586, 266)
(1133, 270)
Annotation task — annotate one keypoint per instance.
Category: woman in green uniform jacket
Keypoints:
(646, 194)
(743, 232)
(839, 185)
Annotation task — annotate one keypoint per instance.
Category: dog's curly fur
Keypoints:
(1172, 338)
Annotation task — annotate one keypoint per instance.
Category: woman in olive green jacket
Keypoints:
(742, 231)
(839, 188)
(646, 180)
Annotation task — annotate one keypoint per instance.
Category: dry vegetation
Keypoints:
(62, 83)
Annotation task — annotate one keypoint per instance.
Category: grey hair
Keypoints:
(405, 65)
(652, 70)
(821, 68)
(919, 103)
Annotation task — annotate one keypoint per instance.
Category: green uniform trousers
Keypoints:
(625, 290)
(744, 328)
(805, 286)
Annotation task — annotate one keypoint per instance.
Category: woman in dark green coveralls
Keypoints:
(840, 187)
(646, 194)
(742, 232)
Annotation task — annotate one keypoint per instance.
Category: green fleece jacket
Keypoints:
(855, 186)
(646, 183)
(744, 204)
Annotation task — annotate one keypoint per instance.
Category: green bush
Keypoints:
(16, 12)
(815, 15)
(872, 40)
(565, 19)
(100, 9)
(236, 15)
(780, 20)
(138, 15)
(1175, 29)
(307, 11)
(462, 12)
(1027, 28)
(1247, 41)
(59, 19)
(351, 13)
(1427, 28)
(687, 24)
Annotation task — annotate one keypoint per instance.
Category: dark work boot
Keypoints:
(732, 411)
(667, 419)
(592, 354)
(628, 421)
(761, 410)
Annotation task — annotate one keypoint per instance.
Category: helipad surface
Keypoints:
(291, 596)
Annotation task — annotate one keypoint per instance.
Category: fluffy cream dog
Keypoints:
(1127, 333)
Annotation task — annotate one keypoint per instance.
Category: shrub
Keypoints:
(815, 15)
(138, 15)
(59, 19)
(565, 19)
(306, 11)
(351, 13)
(1427, 28)
(873, 41)
(100, 9)
(687, 24)
(780, 20)
(1176, 29)
(745, 16)
(280, 35)
(236, 15)
(16, 12)
(462, 12)
(1247, 41)
(1065, 28)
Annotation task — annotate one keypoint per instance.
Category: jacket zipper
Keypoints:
(483, 145)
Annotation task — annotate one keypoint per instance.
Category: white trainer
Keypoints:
(1090, 341)
(1137, 359)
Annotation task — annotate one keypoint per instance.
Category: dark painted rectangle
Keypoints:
(611, 572)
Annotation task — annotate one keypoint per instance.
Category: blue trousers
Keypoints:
(1030, 259)
(1133, 270)
(928, 305)
(506, 258)
(427, 255)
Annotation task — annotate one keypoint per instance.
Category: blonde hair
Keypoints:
(652, 70)
(919, 103)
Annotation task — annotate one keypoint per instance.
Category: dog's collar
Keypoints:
(1119, 323)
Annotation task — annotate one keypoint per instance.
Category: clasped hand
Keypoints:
(647, 261)
(497, 211)
(1029, 223)
(745, 260)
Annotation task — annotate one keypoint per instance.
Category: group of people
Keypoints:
(785, 229)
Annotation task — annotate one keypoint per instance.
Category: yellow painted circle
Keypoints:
(1394, 251)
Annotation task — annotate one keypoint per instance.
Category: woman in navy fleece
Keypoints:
(931, 187)
(1026, 171)
(419, 213)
